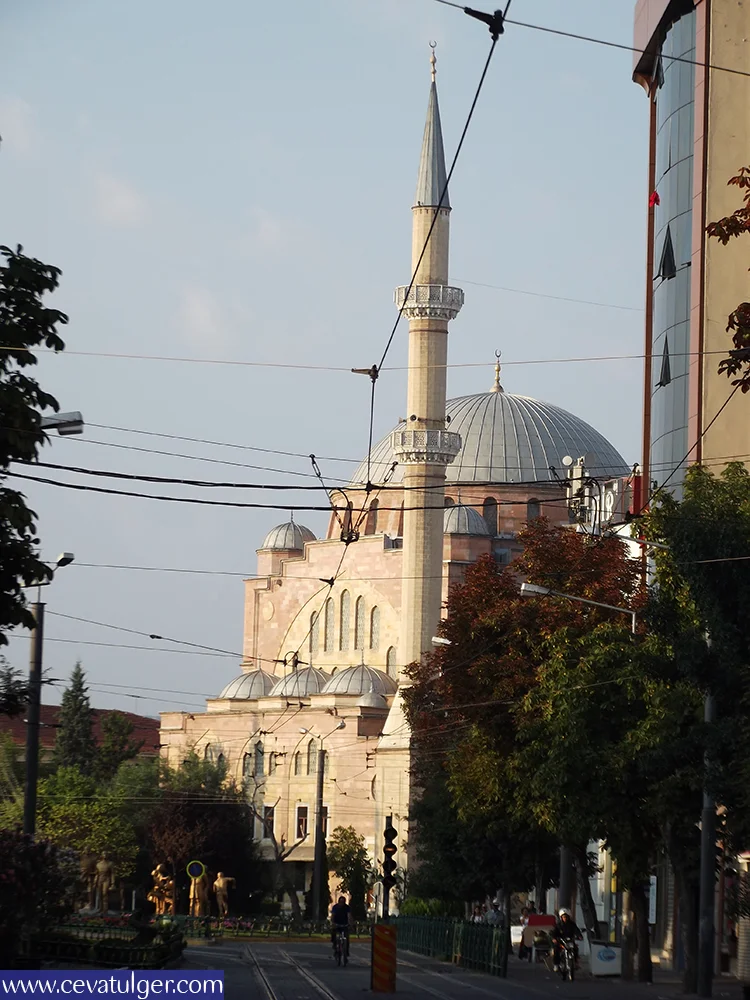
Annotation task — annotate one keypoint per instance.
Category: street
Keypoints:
(301, 971)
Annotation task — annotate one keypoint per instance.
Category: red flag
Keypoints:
(654, 199)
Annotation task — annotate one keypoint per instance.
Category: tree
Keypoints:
(116, 746)
(75, 745)
(738, 323)
(25, 323)
(14, 692)
(350, 862)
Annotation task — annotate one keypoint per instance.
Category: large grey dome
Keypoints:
(461, 520)
(510, 439)
(289, 535)
(360, 680)
(248, 687)
(300, 684)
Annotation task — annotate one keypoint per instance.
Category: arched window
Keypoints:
(390, 661)
(375, 628)
(489, 511)
(298, 763)
(348, 515)
(208, 752)
(247, 765)
(258, 760)
(220, 761)
(450, 502)
(344, 625)
(312, 757)
(328, 626)
(272, 763)
(314, 634)
(359, 623)
(533, 510)
(371, 524)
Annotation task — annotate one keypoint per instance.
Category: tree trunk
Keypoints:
(687, 902)
(540, 885)
(588, 906)
(639, 902)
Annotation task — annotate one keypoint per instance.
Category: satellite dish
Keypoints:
(567, 461)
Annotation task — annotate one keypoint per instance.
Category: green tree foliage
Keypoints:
(738, 323)
(116, 746)
(25, 323)
(349, 861)
(14, 691)
(37, 886)
(74, 743)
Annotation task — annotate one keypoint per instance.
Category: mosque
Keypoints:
(322, 663)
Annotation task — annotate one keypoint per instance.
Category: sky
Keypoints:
(230, 184)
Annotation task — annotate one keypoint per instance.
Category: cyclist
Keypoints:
(340, 916)
(565, 930)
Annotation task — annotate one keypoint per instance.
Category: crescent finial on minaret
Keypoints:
(433, 60)
(497, 387)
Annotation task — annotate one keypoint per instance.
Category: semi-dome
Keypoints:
(300, 684)
(510, 439)
(461, 520)
(288, 535)
(249, 686)
(372, 700)
(360, 680)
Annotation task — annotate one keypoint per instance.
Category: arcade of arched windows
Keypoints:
(337, 627)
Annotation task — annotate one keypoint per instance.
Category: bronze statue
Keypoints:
(162, 893)
(221, 888)
(88, 877)
(199, 896)
(104, 881)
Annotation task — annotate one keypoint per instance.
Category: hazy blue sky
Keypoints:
(233, 181)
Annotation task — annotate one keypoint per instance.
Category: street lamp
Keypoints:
(33, 707)
(319, 838)
(64, 423)
(534, 590)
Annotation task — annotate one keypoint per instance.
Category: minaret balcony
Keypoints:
(425, 447)
(430, 301)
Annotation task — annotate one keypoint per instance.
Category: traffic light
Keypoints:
(389, 850)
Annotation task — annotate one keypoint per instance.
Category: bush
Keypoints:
(413, 906)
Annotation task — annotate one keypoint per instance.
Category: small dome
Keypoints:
(461, 520)
(372, 700)
(300, 684)
(289, 535)
(249, 686)
(360, 680)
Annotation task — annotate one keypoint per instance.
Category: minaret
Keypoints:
(424, 448)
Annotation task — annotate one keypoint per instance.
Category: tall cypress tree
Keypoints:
(75, 745)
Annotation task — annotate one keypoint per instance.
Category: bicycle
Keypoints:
(567, 963)
(340, 946)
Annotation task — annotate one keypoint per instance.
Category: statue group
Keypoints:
(162, 894)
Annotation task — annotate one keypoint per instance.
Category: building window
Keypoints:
(359, 623)
(258, 760)
(450, 502)
(344, 615)
(314, 634)
(301, 828)
(489, 512)
(298, 763)
(665, 374)
(328, 626)
(371, 524)
(312, 757)
(220, 760)
(390, 662)
(667, 264)
(247, 765)
(208, 752)
(533, 510)
(268, 822)
(272, 763)
(375, 628)
(348, 516)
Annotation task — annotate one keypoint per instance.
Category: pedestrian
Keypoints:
(494, 916)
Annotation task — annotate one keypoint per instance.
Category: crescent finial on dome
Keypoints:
(497, 387)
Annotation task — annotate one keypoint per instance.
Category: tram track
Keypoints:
(291, 963)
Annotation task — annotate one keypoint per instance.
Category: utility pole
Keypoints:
(708, 867)
(32, 721)
(319, 855)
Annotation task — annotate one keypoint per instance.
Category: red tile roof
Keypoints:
(144, 728)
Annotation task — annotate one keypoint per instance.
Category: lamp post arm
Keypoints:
(597, 604)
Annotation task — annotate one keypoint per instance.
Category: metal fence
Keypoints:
(472, 946)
